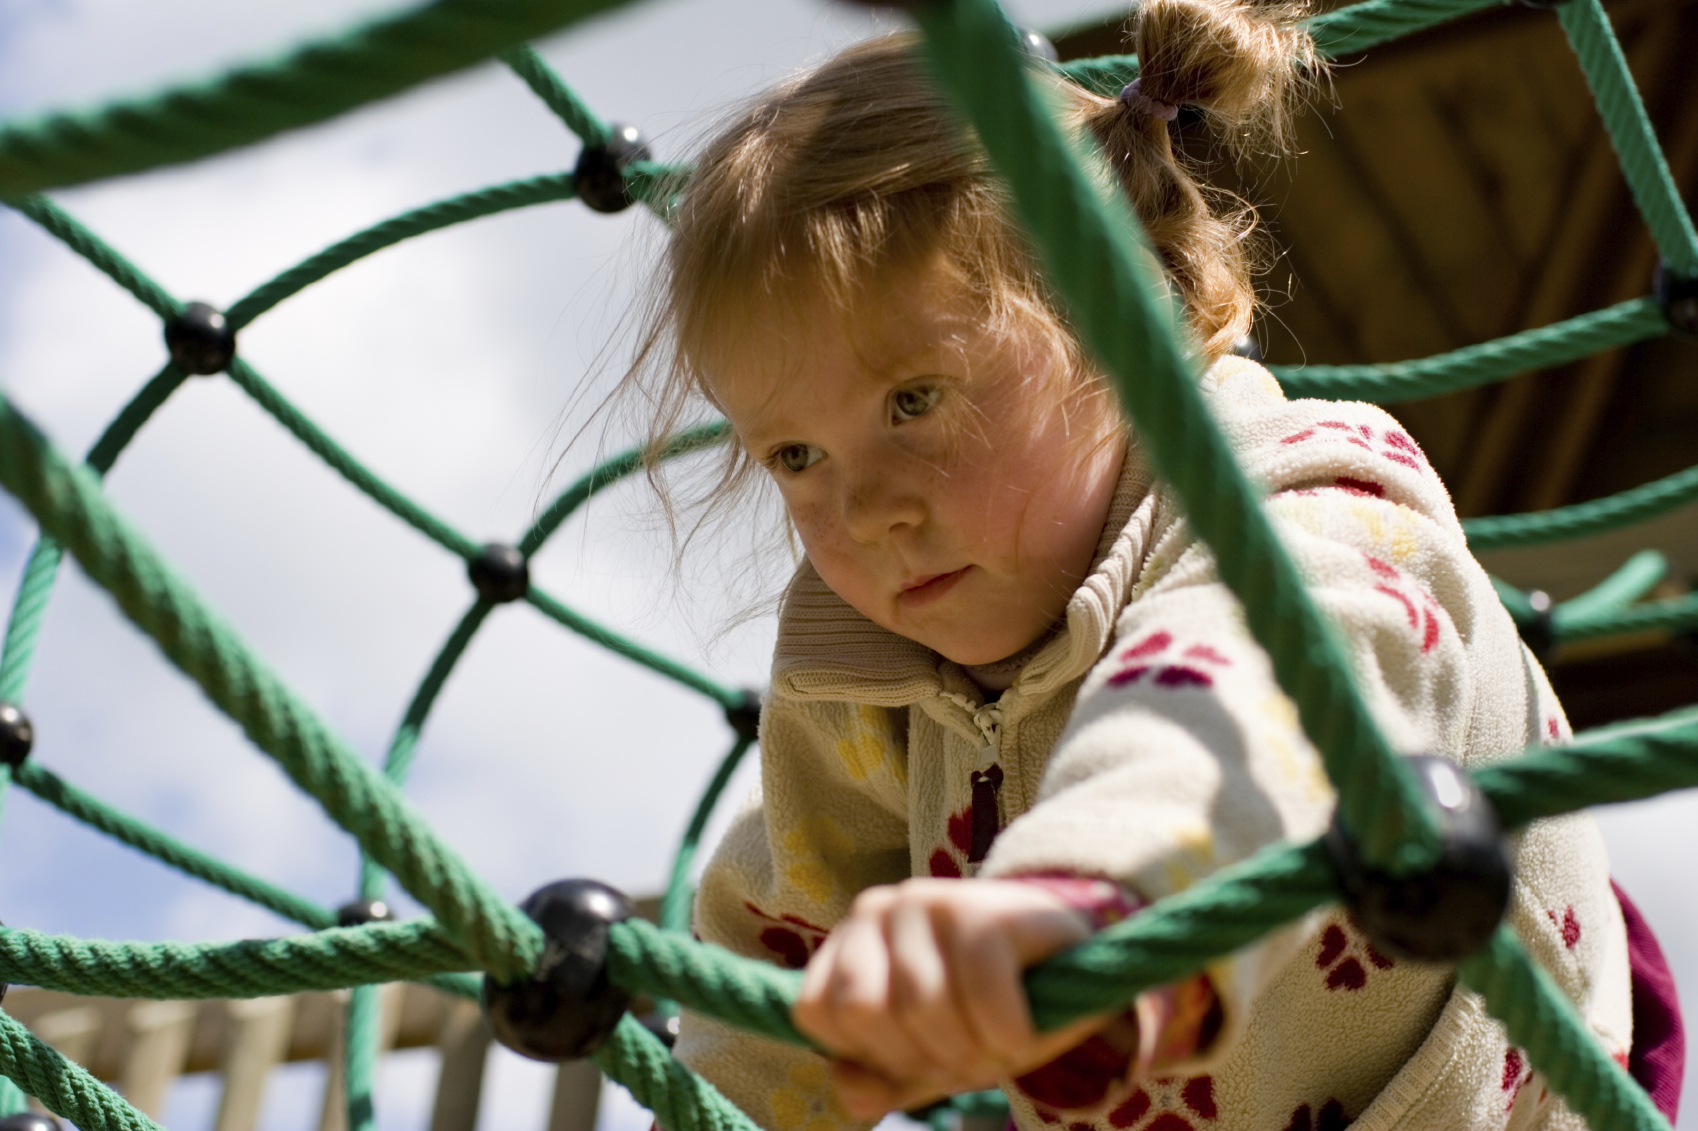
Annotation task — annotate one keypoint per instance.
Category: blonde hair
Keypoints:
(861, 164)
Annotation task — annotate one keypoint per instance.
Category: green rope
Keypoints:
(680, 891)
(679, 1099)
(68, 503)
(1582, 520)
(559, 97)
(630, 649)
(1622, 324)
(675, 904)
(65, 1088)
(1087, 242)
(1642, 161)
(1217, 915)
(605, 475)
(73, 802)
(1339, 32)
(362, 1028)
(1613, 764)
(12, 1098)
(310, 84)
(345, 465)
(94, 249)
(36, 585)
(430, 218)
(1677, 614)
(1361, 26)
(1608, 608)
(362, 1022)
(1635, 578)
(324, 960)
(452, 540)
(1094, 259)
(1540, 1019)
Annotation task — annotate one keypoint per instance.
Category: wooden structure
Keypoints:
(1458, 186)
(142, 1047)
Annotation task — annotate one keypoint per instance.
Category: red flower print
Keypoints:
(1168, 1103)
(1569, 925)
(1422, 610)
(946, 860)
(1345, 971)
(792, 938)
(1330, 1118)
(1516, 1073)
(1137, 661)
(1392, 444)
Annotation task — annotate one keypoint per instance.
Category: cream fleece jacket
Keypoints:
(1147, 743)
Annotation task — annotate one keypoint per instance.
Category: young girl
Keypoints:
(1005, 659)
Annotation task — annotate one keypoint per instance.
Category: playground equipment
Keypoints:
(1390, 834)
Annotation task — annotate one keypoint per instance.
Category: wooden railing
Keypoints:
(144, 1046)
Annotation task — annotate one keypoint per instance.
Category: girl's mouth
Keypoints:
(929, 589)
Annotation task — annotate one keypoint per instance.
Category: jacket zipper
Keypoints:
(986, 783)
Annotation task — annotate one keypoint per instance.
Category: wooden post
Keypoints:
(159, 1034)
(464, 1045)
(334, 1114)
(256, 1041)
(577, 1097)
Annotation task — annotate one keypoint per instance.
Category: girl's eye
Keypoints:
(797, 457)
(906, 404)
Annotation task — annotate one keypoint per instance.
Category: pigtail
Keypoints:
(1244, 66)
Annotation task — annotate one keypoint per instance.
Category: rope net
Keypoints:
(1089, 244)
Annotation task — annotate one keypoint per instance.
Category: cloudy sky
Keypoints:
(457, 367)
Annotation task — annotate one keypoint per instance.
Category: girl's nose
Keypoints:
(880, 499)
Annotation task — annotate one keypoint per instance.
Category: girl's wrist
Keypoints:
(1164, 1026)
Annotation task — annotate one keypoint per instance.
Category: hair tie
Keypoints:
(1132, 97)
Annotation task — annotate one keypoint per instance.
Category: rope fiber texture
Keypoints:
(1092, 250)
(254, 102)
(68, 503)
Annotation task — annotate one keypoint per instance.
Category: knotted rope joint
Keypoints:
(200, 340)
(499, 573)
(569, 1006)
(1449, 911)
(599, 179)
(1679, 299)
(17, 734)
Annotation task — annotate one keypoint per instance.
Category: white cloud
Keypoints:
(444, 365)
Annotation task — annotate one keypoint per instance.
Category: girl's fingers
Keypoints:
(926, 992)
(994, 1001)
(846, 1002)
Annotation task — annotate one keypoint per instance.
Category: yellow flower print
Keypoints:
(1393, 530)
(807, 1104)
(1193, 856)
(1293, 755)
(869, 746)
(813, 844)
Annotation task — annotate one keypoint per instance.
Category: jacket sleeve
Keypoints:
(829, 819)
(1183, 755)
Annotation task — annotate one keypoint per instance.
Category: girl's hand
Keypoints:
(918, 994)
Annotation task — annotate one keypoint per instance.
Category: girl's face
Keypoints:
(928, 490)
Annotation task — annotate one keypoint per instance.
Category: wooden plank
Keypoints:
(159, 1047)
(464, 1044)
(333, 1114)
(73, 1032)
(577, 1097)
(257, 1040)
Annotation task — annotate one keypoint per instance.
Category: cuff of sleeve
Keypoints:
(1164, 1026)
